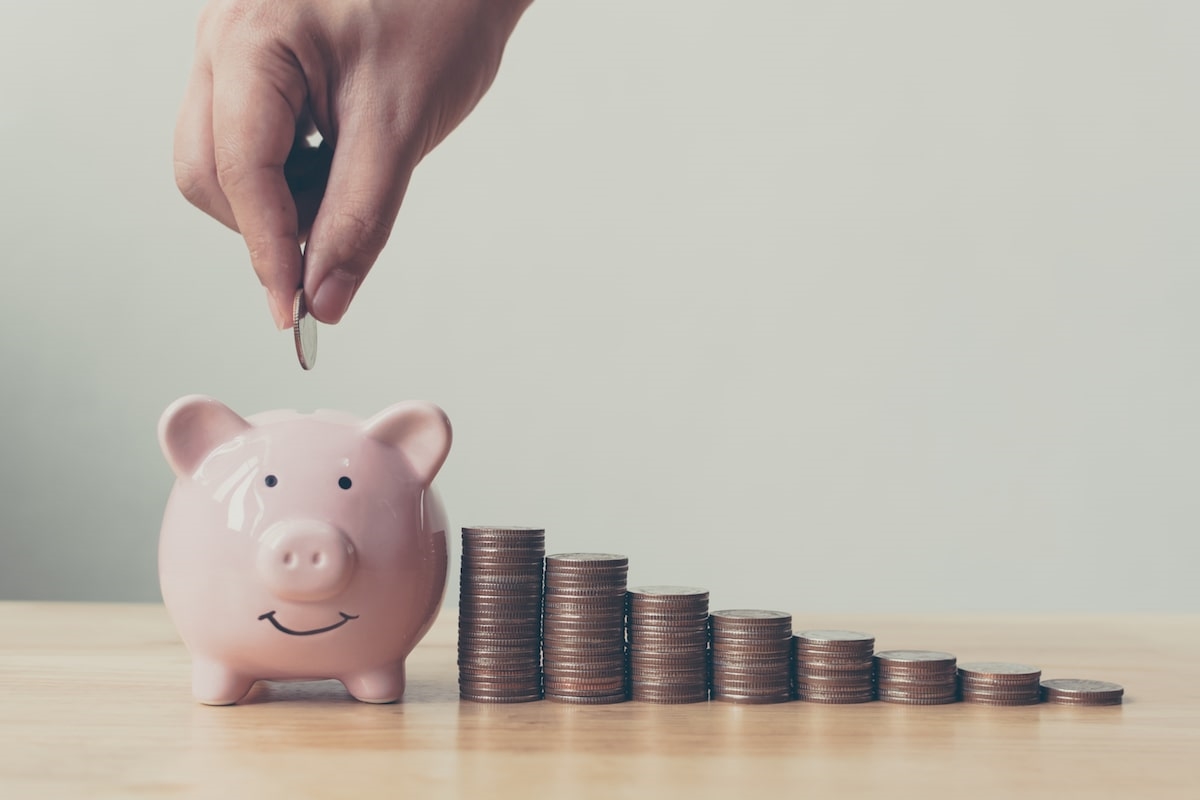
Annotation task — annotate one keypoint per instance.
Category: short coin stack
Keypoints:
(998, 683)
(916, 677)
(499, 623)
(583, 646)
(834, 666)
(668, 644)
(751, 656)
(1079, 692)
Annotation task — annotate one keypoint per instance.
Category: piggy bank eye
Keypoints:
(270, 480)
(344, 482)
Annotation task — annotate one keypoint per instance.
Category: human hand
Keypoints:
(382, 82)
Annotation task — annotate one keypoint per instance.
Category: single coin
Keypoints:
(835, 636)
(501, 530)
(304, 331)
(906, 656)
(589, 559)
(746, 614)
(1000, 669)
(1080, 686)
(656, 592)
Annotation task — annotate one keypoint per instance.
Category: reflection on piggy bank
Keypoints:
(302, 547)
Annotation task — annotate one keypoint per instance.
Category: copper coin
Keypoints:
(500, 698)
(919, 701)
(1078, 691)
(750, 699)
(588, 701)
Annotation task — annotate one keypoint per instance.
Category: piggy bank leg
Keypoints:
(216, 685)
(381, 685)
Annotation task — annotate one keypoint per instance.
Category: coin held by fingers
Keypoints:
(304, 331)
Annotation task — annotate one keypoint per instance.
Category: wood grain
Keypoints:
(95, 702)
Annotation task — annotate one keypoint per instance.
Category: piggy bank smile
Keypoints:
(270, 617)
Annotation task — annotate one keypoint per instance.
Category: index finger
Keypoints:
(254, 121)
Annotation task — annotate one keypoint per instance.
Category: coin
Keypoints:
(583, 628)
(915, 658)
(998, 670)
(751, 656)
(916, 677)
(304, 331)
(829, 638)
(1080, 692)
(500, 610)
(668, 644)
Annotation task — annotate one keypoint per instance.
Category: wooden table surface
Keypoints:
(95, 702)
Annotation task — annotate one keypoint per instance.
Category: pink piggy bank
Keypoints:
(302, 547)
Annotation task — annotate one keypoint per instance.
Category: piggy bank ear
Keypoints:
(192, 427)
(420, 430)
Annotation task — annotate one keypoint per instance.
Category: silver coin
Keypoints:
(304, 330)
(683, 592)
(741, 614)
(986, 669)
(1078, 687)
(918, 656)
(822, 636)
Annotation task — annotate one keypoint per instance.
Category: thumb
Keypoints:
(253, 130)
(367, 181)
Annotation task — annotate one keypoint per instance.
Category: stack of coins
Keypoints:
(668, 644)
(1079, 692)
(996, 683)
(751, 656)
(916, 677)
(499, 614)
(583, 648)
(834, 666)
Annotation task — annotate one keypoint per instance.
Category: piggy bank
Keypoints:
(302, 547)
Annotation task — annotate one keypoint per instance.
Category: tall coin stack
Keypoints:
(751, 656)
(499, 614)
(996, 683)
(668, 644)
(916, 677)
(834, 666)
(583, 646)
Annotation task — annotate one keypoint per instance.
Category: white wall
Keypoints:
(825, 306)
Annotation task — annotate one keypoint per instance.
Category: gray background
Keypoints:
(825, 306)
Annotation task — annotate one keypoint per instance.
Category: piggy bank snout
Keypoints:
(305, 560)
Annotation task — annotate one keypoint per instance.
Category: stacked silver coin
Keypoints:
(751, 656)
(916, 677)
(583, 630)
(499, 614)
(998, 683)
(834, 666)
(668, 644)
(1081, 692)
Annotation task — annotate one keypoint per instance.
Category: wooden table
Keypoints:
(95, 702)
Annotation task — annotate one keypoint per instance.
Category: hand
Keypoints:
(382, 82)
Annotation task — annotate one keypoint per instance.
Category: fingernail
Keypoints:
(333, 296)
(280, 314)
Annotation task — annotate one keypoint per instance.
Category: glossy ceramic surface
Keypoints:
(302, 547)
